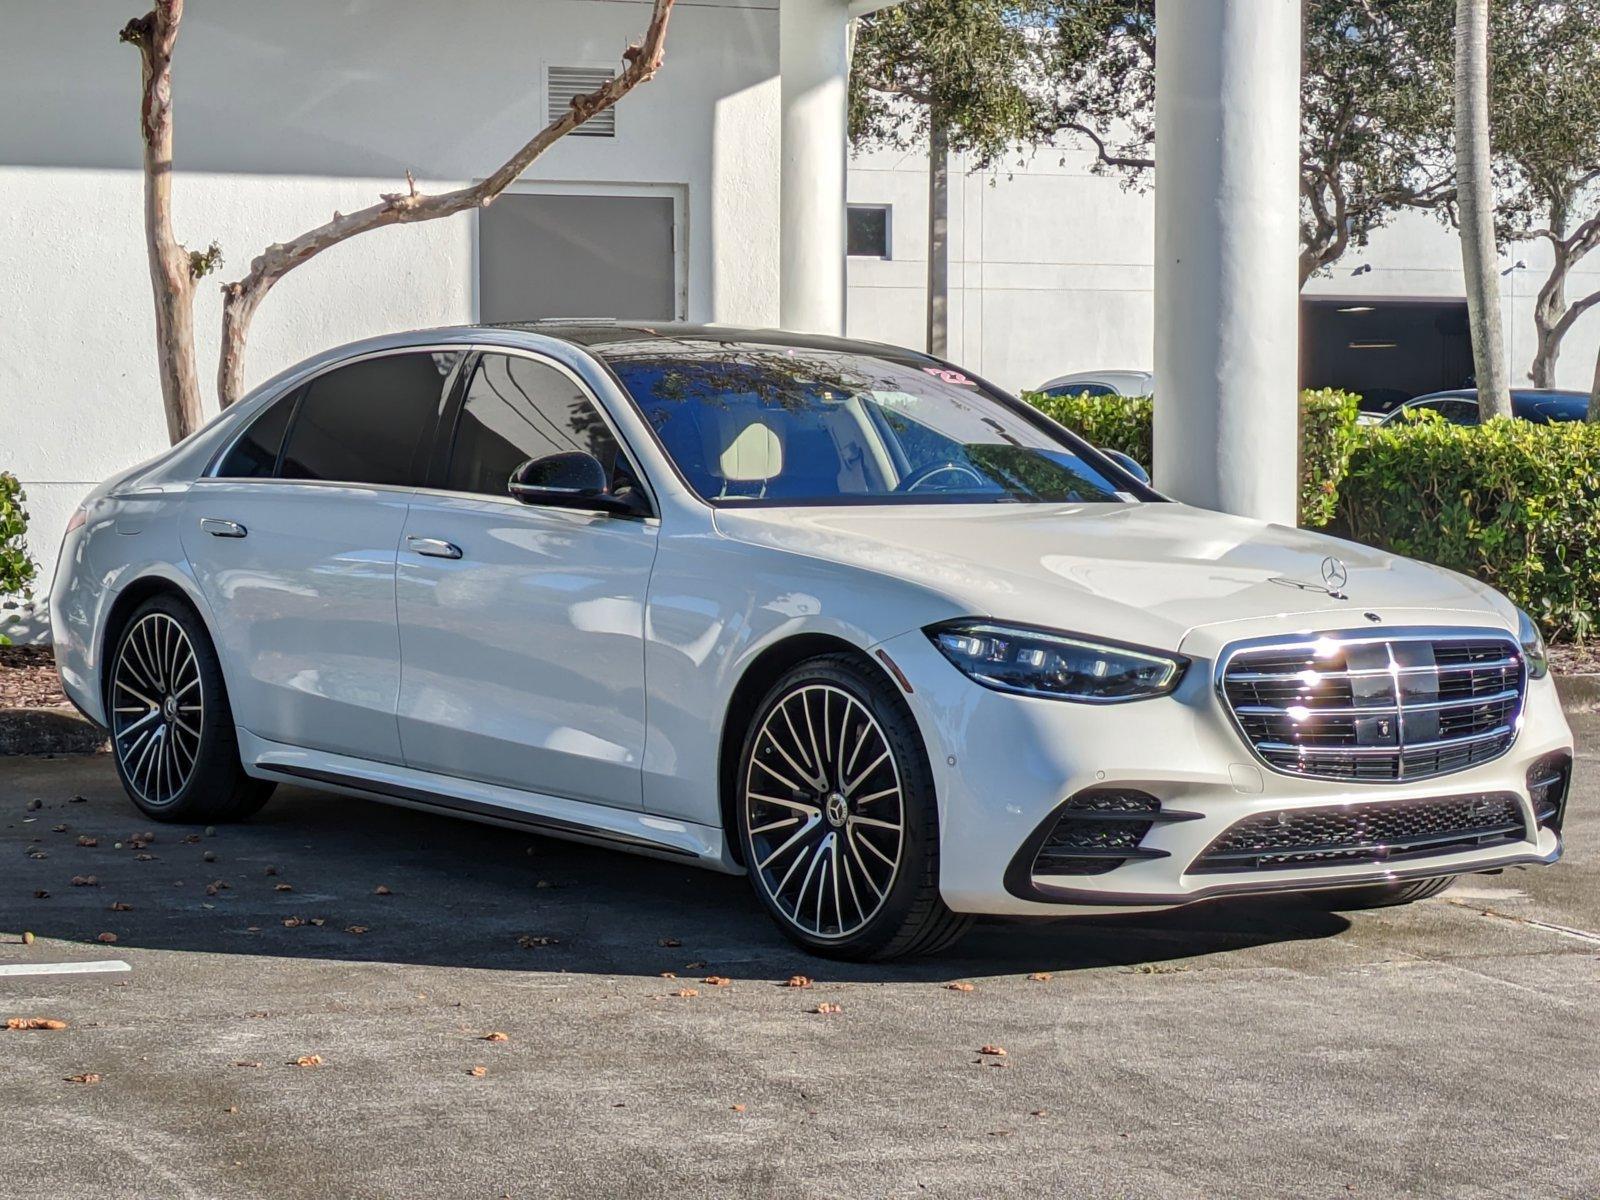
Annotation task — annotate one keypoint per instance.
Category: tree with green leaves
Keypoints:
(952, 76)
(1375, 107)
(1546, 140)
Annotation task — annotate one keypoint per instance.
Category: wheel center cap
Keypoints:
(836, 808)
(169, 708)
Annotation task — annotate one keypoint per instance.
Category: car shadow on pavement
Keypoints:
(321, 876)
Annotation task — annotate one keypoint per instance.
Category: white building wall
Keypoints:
(1051, 271)
(283, 117)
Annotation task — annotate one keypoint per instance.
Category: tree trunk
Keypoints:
(242, 297)
(173, 270)
(1475, 197)
(938, 233)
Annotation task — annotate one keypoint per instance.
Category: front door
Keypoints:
(294, 544)
(522, 628)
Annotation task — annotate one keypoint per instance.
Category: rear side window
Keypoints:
(517, 409)
(255, 455)
(370, 422)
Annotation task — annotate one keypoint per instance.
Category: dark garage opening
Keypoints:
(1386, 351)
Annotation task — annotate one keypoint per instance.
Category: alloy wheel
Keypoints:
(825, 811)
(157, 708)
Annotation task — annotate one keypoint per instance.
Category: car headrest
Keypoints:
(754, 455)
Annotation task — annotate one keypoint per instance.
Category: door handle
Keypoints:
(217, 527)
(433, 547)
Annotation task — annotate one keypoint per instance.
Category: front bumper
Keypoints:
(1004, 764)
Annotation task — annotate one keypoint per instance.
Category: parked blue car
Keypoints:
(1542, 406)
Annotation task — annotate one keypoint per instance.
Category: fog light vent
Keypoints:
(1548, 780)
(1097, 831)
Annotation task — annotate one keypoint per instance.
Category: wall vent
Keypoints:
(563, 83)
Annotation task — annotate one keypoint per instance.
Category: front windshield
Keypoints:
(753, 424)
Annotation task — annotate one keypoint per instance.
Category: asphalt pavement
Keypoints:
(1267, 1049)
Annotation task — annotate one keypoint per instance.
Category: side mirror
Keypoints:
(1127, 463)
(571, 479)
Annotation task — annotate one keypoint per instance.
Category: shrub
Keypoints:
(1327, 430)
(1514, 504)
(16, 568)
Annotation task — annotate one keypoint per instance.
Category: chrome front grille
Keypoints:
(1402, 705)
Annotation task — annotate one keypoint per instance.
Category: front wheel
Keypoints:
(837, 818)
(172, 734)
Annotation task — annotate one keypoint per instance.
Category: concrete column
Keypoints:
(1227, 251)
(814, 58)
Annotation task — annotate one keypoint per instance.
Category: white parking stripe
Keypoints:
(66, 968)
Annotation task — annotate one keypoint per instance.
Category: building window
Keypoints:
(562, 84)
(869, 231)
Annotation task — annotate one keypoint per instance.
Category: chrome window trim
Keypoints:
(1409, 633)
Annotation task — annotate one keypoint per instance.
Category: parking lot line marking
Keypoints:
(66, 968)
(1582, 935)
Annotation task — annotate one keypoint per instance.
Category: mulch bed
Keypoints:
(1575, 660)
(28, 678)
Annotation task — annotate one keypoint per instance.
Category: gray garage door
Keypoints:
(576, 256)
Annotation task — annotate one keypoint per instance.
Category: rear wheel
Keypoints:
(172, 734)
(837, 817)
(1383, 895)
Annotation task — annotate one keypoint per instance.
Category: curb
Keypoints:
(1579, 693)
(48, 731)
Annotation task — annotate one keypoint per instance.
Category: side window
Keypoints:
(1082, 389)
(516, 409)
(255, 454)
(370, 422)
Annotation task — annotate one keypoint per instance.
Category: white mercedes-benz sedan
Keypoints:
(835, 615)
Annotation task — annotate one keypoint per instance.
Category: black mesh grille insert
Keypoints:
(1548, 781)
(1364, 833)
(1097, 832)
(1380, 708)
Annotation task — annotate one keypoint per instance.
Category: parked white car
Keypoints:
(1101, 383)
(833, 614)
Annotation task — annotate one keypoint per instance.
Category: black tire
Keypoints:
(202, 779)
(1383, 895)
(908, 917)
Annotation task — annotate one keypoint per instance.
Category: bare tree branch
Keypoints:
(173, 268)
(1104, 152)
(242, 297)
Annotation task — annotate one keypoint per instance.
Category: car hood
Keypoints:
(1148, 573)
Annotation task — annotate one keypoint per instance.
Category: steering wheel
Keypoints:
(917, 478)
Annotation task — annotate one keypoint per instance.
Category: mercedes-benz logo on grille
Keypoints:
(1335, 575)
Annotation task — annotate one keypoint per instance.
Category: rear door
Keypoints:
(294, 543)
(522, 627)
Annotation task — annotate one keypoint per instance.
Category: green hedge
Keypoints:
(1327, 431)
(16, 568)
(1514, 504)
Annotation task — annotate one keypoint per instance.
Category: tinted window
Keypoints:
(369, 422)
(781, 425)
(1082, 389)
(516, 409)
(868, 231)
(255, 454)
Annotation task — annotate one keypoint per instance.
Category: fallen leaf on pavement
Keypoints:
(282, 887)
(209, 856)
(529, 940)
(694, 966)
(718, 980)
(686, 993)
(88, 842)
(144, 858)
(34, 1023)
(962, 986)
(995, 1051)
(382, 890)
(108, 939)
(85, 1078)
(121, 906)
(1040, 1112)
(307, 1060)
(58, 829)
(319, 922)
(357, 929)
(41, 894)
(85, 881)
(1040, 977)
(247, 1063)
(799, 981)
(826, 1008)
(496, 1036)
(478, 1072)
(669, 974)
(737, 1107)
(669, 943)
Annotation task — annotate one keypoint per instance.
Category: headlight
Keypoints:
(1037, 662)
(1533, 650)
